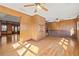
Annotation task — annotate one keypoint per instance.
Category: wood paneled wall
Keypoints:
(32, 28)
(65, 26)
(77, 29)
(60, 24)
(39, 27)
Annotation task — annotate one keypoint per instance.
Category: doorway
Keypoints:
(9, 29)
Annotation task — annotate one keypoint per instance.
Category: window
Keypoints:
(4, 27)
(16, 28)
(12, 28)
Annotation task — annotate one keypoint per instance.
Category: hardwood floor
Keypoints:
(49, 46)
(6, 42)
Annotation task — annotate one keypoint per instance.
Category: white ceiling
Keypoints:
(55, 10)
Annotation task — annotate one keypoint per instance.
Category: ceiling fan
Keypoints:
(37, 6)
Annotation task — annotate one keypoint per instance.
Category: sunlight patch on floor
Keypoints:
(27, 45)
(21, 51)
(64, 43)
(35, 49)
(26, 49)
(16, 45)
(29, 53)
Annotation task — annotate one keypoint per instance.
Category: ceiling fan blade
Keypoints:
(28, 5)
(44, 8)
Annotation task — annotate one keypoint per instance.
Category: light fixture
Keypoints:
(57, 20)
(38, 6)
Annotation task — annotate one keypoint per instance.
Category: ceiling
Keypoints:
(55, 10)
(7, 17)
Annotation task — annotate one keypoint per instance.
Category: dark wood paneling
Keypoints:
(9, 25)
(0, 28)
